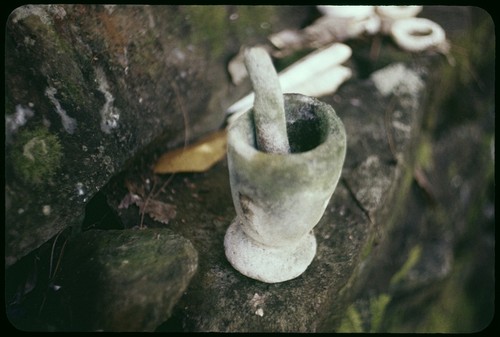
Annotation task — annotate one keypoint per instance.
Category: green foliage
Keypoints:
(351, 321)
(424, 153)
(377, 309)
(212, 27)
(36, 155)
(411, 261)
(209, 26)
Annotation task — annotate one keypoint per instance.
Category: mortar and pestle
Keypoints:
(285, 157)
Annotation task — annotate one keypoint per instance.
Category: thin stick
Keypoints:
(269, 107)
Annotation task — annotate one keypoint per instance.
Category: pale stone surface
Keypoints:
(221, 299)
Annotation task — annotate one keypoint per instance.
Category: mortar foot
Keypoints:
(265, 263)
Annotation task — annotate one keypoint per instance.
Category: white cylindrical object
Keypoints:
(347, 12)
(304, 71)
(390, 14)
(313, 64)
(398, 12)
(345, 22)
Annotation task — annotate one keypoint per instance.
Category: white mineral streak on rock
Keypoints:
(398, 79)
(79, 189)
(68, 123)
(401, 126)
(46, 210)
(110, 115)
(371, 194)
(17, 119)
(418, 34)
(42, 11)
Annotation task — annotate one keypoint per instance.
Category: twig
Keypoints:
(144, 205)
(153, 194)
(52, 253)
(60, 258)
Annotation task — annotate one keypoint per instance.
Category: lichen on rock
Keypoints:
(36, 155)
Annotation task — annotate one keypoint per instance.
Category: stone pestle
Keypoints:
(269, 108)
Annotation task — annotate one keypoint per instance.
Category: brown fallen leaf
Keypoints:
(129, 199)
(198, 157)
(157, 210)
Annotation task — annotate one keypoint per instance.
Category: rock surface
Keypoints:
(310, 302)
(124, 280)
(383, 263)
(219, 298)
(89, 87)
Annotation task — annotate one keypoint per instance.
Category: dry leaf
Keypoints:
(198, 157)
(129, 199)
(160, 211)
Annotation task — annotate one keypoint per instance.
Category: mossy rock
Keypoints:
(124, 280)
(36, 155)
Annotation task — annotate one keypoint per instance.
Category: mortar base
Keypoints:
(265, 263)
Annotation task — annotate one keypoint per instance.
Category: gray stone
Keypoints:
(90, 87)
(124, 280)
(219, 298)
(372, 247)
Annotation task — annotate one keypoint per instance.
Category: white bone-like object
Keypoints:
(347, 12)
(418, 34)
(317, 74)
(391, 14)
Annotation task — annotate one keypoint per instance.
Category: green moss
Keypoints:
(59, 57)
(377, 310)
(424, 153)
(469, 68)
(351, 322)
(254, 21)
(36, 155)
(209, 27)
(453, 310)
(367, 248)
(413, 257)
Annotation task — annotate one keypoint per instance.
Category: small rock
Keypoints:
(125, 280)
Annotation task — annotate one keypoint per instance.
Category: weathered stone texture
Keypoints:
(106, 82)
(124, 280)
